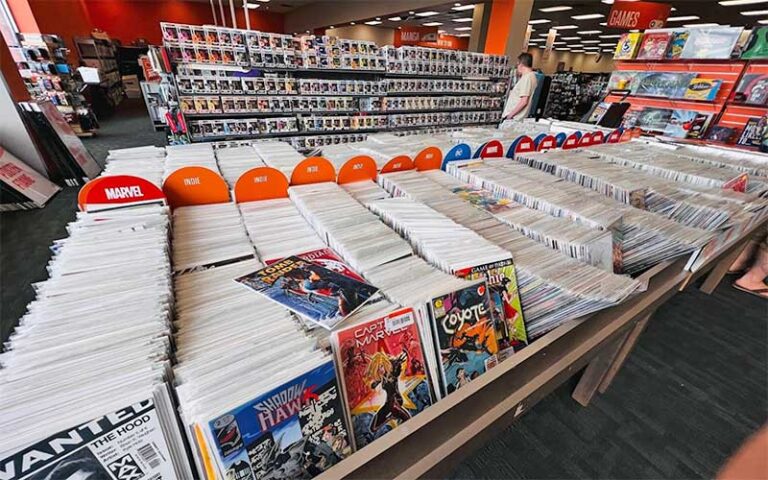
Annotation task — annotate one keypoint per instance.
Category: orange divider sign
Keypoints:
(113, 190)
(261, 183)
(492, 149)
(195, 186)
(398, 164)
(571, 141)
(431, 158)
(313, 170)
(547, 143)
(626, 136)
(357, 169)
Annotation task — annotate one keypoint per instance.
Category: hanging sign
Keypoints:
(551, 37)
(527, 39)
(638, 15)
(410, 35)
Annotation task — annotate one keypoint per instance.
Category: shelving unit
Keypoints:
(571, 94)
(99, 52)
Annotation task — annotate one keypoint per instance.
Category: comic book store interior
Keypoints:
(347, 239)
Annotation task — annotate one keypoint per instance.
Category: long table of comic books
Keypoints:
(243, 312)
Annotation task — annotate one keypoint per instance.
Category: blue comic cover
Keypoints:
(322, 296)
(464, 334)
(295, 431)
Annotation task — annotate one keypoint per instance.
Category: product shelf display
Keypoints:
(226, 77)
(572, 94)
(99, 52)
(390, 284)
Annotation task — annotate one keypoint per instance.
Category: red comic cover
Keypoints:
(327, 258)
(383, 373)
(654, 46)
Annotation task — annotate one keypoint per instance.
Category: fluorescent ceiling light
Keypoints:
(566, 27)
(543, 34)
(252, 6)
(603, 24)
(331, 26)
(394, 19)
(432, 24)
(465, 19)
(591, 48)
(462, 29)
(562, 8)
(588, 16)
(463, 7)
(351, 23)
(537, 40)
(577, 51)
(540, 20)
(463, 35)
(427, 14)
(763, 22)
(609, 2)
(755, 13)
(684, 18)
(589, 32)
(457, 4)
(378, 18)
(693, 25)
(560, 43)
(571, 38)
(441, 31)
(263, 1)
(607, 44)
(734, 3)
(608, 50)
(610, 36)
(590, 41)
(373, 22)
(563, 49)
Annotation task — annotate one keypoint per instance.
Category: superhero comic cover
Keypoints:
(383, 373)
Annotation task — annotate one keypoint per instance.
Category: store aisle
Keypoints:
(693, 390)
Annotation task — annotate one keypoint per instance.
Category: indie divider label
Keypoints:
(357, 169)
(261, 183)
(313, 170)
(195, 186)
(398, 164)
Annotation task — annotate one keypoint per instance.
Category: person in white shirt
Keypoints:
(518, 104)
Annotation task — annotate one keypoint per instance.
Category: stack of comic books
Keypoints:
(258, 398)
(208, 235)
(85, 380)
(191, 155)
(641, 238)
(235, 161)
(279, 155)
(637, 188)
(145, 162)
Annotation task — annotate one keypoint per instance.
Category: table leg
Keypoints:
(596, 370)
(719, 271)
(624, 352)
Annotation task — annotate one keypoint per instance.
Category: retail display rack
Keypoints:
(98, 51)
(241, 84)
(42, 63)
(571, 94)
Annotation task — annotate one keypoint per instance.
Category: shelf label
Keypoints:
(109, 191)
(431, 158)
(357, 169)
(195, 186)
(398, 164)
(261, 183)
(313, 170)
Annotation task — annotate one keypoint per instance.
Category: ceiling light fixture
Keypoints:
(694, 25)
(462, 29)
(589, 32)
(462, 20)
(683, 18)
(394, 19)
(351, 23)
(373, 22)
(588, 16)
(411, 12)
(427, 14)
(610, 36)
(607, 44)
(561, 8)
(252, 6)
(463, 7)
(763, 22)
(463, 35)
(571, 38)
(590, 41)
(735, 3)
(432, 24)
(566, 27)
(538, 21)
(755, 13)
(603, 24)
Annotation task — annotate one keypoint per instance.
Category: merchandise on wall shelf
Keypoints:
(571, 95)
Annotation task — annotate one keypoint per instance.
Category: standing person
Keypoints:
(518, 103)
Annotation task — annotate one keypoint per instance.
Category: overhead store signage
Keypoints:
(415, 35)
(551, 37)
(638, 15)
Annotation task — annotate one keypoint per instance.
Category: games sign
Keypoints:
(638, 15)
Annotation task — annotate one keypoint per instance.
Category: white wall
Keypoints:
(381, 36)
(581, 62)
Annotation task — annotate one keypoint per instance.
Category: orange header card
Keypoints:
(398, 164)
(261, 183)
(313, 170)
(431, 158)
(357, 169)
(195, 186)
(105, 192)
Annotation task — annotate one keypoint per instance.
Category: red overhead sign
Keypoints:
(415, 35)
(638, 15)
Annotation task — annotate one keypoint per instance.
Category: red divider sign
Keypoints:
(112, 190)
(598, 137)
(195, 186)
(261, 183)
(571, 141)
(638, 15)
(547, 143)
(431, 158)
(586, 140)
(525, 145)
(398, 164)
(615, 136)
(492, 149)
(357, 169)
(313, 170)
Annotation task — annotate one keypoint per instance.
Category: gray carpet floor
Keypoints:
(695, 387)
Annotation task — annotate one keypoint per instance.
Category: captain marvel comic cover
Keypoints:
(383, 373)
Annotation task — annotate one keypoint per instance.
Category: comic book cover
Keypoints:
(318, 294)
(654, 46)
(699, 125)
(627, 47)
(703, 89)
(325, 257)
(296, 430)
(383, 374)
(662, 84)
(677, 44)
(753, 88)
(681, 122)
(465, 335)
(752, 134)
